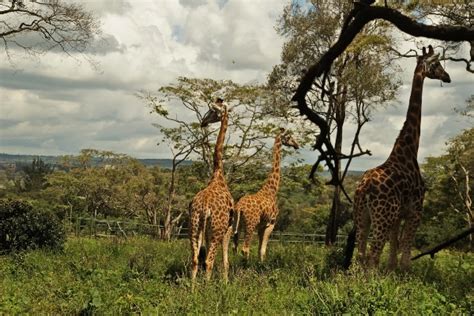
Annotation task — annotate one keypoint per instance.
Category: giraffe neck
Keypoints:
(407, 143)
(273, 181)
(219, 148)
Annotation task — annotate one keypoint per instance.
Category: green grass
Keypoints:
(93, 276)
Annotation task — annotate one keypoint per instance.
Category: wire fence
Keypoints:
(109, 228)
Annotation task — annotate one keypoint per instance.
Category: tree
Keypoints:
(361, 14)
(35, 174)
(39, 26)
(103, 183)
(361, 78)
(461, 151)
(448, 204)
(140, 193)
(249, 128)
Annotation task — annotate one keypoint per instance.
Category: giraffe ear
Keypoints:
(423, 50)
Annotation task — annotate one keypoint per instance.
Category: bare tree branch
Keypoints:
(445, 244)
(56, 24)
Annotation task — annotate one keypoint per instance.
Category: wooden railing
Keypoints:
(117, 228)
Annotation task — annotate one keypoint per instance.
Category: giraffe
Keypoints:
(260, 210)
(211, 210)
(394, 191)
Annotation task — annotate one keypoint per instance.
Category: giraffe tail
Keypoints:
(349, 248)
(202, 249)
(203, 245)
(235, 228)
(359, 212)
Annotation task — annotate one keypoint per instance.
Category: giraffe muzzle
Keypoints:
(446, 78)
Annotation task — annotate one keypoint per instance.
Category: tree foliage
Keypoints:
(448, 205)
(118, 186)
(35, 175)
(23, 227)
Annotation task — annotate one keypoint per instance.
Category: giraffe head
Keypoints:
(214, 114)
(431, 67)
(287, 139)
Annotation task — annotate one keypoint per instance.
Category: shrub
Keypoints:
(23, 226)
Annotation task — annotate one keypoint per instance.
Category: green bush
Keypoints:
(23, 227)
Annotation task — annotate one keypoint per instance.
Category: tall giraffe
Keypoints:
(260, 210)
(394, 191)
(211, 209)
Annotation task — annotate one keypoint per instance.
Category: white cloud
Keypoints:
(57, 105)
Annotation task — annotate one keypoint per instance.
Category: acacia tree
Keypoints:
(360, 78)
(39, 26)
(249, 125)
(180, 150)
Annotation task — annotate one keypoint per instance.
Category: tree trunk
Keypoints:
(156, 229)
(471, 244)
(333, 222)
(168, 223)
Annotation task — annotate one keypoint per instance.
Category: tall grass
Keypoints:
(139, 275)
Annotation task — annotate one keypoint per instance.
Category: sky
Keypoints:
(56, 105)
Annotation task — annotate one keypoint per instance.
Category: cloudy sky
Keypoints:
(55, 105)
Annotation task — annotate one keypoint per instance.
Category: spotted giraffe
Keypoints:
(260, 210)
(211, 209)
(393, 192)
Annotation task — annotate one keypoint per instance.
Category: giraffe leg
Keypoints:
(409, 229)
(225, 253)
(362, 223)
(261, 231)
(194, 254)
(195, 236)
(382, 220)
(211, 256)
(250, 228)
(393, 260)
(267, 230)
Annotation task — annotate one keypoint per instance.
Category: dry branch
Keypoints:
(445, 244)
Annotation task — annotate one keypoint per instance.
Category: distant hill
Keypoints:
(54, 160)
